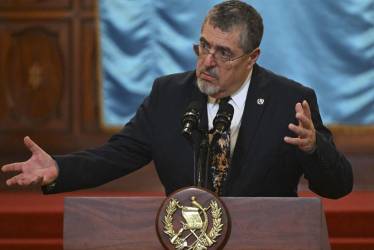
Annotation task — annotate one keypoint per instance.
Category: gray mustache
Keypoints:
(211, 71)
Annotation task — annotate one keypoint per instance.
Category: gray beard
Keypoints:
(206, 88)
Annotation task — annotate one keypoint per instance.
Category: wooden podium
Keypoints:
(109, 223)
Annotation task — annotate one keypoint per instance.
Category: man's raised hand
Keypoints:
(39, 169)
(305, 131)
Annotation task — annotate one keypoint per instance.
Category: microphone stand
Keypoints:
(202, 170)
(195, 149)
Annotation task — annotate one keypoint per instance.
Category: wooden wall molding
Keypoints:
(45, 5)
(90, 101)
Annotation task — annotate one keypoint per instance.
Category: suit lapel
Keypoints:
(256, 102)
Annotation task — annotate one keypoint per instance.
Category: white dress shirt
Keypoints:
(238, 102)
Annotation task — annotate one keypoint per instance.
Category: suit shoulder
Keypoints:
(173, 86)
(176, 80)
(280, 83)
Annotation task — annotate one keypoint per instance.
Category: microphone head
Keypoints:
(191, 119)
(194, 106)
(222, 121)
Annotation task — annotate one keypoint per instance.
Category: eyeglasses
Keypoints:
(220, 54)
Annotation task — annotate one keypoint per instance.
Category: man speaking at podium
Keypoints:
(276, 133)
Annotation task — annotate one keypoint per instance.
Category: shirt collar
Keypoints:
(239, 97)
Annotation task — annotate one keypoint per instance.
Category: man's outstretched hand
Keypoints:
(39, 169)
(305, 131)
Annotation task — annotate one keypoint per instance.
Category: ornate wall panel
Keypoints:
(35, 80)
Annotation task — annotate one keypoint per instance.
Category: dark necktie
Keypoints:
(220, 157)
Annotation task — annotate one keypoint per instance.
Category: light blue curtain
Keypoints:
(141, 40)
(325, 44)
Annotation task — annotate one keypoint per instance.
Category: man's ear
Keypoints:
(255, 54)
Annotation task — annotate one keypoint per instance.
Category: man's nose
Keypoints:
(210, 60)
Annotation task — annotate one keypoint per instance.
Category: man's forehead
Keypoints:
(218, 37)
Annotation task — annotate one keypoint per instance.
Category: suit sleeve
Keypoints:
(328, 172)
(124, 153)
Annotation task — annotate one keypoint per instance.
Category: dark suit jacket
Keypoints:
(262, 163)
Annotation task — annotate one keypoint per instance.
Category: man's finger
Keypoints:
(304, 120)
(12, 167)
(299, 108)
(302, 116)
(296, 141)
(300, 131)
(28, 179)
(291, 140)
(306, 109)
(34, 148)
(24, 180)
(14, 180)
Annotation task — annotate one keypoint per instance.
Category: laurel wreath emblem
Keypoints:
(216, 212)
(217, 226)
(168, 220)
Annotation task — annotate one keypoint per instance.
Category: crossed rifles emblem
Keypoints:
(192, 234)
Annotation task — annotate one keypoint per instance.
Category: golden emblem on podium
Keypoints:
(193, 219)
(195, 226)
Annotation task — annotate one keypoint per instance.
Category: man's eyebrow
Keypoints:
(219, 47)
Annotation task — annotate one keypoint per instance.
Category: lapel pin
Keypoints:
(260, 101)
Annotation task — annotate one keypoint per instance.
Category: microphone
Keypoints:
(190, 124)
(191, 119)
(222, 121)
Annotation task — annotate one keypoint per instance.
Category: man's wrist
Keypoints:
(50, 185)
(311, 151)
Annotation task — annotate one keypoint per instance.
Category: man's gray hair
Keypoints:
(236, 14)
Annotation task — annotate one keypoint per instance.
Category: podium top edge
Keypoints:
(285, 199)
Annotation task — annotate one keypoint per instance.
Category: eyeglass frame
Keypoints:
(196, 49)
